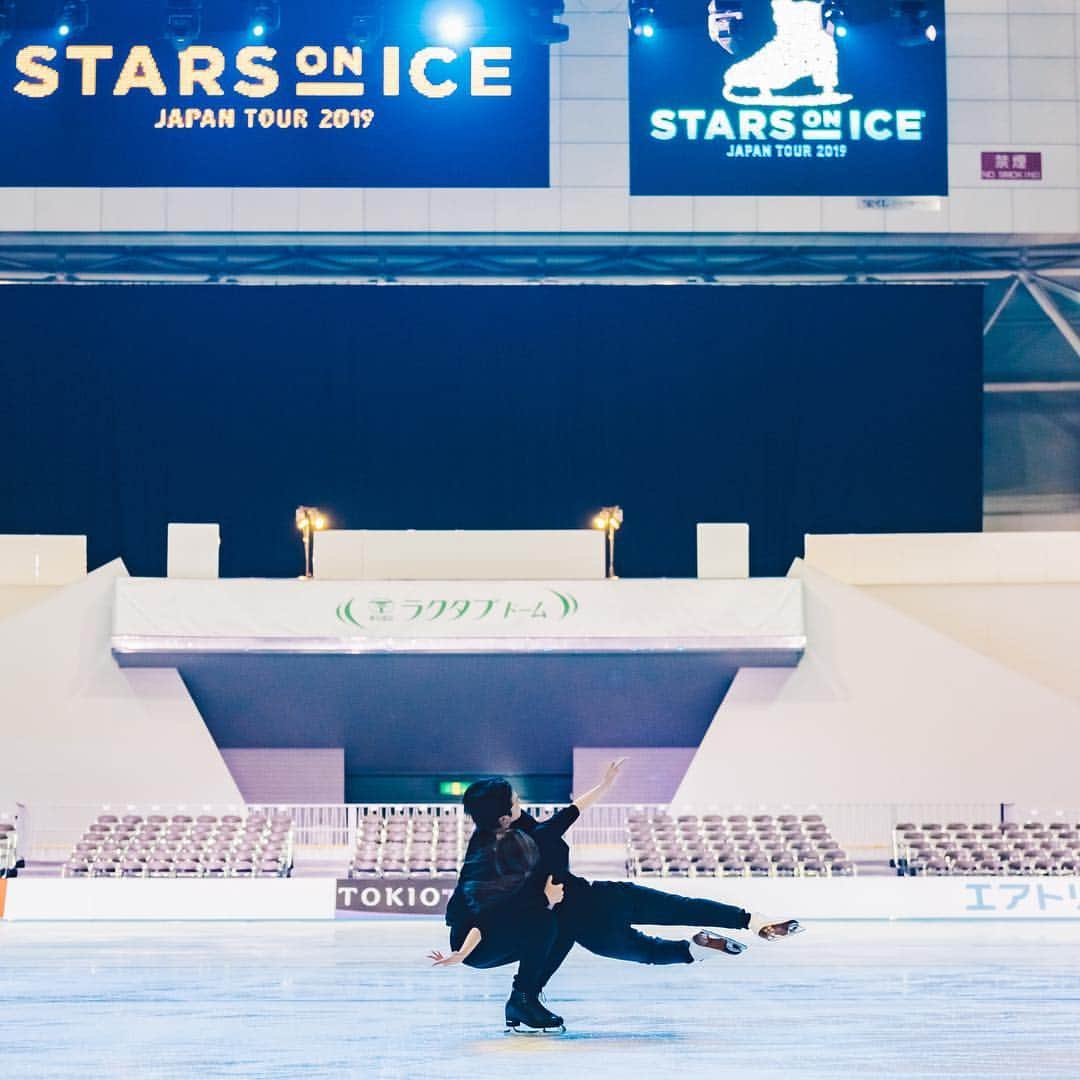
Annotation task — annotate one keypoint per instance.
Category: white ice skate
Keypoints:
(802, 47)
(774, 929)
(706, 943)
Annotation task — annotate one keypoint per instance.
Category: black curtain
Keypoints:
(797, 409)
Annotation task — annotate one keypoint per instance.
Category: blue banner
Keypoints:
(788, 98)
(117, 105)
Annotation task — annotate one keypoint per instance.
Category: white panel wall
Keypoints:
(947, 558)
(1013, 86)
(884, 709)
(75, 729)
(1033, 629)
(459, 555)
(36, 560)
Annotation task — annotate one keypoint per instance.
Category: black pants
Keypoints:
(529, 942)
(602, 919)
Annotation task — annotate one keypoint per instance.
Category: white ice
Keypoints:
(358, 999)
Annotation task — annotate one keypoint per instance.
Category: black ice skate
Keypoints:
(707, 939)
(525, 1010)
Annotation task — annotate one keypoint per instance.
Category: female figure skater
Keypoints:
(601, 915)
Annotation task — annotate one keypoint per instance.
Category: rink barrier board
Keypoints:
(809, 899)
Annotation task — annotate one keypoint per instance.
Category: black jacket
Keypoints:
(469, 906)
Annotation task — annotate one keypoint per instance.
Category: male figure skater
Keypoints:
(601, 916)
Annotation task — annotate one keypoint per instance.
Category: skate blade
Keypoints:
(515, 1028)
(724, 944)
(786, 99)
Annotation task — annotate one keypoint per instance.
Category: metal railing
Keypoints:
(333, 827)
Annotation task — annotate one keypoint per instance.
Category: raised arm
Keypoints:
(611, 774)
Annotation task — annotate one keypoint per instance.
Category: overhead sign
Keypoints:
(754, 98)
(118, 105)
(155, 616)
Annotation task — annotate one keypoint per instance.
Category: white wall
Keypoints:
(16, 598)
(76, 729)
(883, 709)
(1012, 596)
(1012, 85)
(1032, 629)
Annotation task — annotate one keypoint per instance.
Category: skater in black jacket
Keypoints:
(601, 916)
(502, 913)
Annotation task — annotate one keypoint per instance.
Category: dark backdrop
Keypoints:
(797, 409)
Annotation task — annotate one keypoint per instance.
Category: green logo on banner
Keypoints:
(552, 604)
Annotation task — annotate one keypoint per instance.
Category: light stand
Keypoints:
(309, 520)
(609, 519)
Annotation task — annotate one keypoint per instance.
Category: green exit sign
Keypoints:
(453, 787)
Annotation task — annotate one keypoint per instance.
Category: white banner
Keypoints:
(810, 899)
(761, 615)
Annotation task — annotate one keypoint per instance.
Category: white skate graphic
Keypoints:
(802, 47)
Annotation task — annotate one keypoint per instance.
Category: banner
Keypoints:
(420, 895)
(117, 105)
(753, 98)
(167, 615)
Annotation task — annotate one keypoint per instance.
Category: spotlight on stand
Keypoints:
(544, 27)
(835, 18)
(309, 521)
(643, 18)
(609, 519)
(183, 22)
(7, 19)
(725, 18)
(265, 17)
(74, 18)
(365, 22)
(914, 27)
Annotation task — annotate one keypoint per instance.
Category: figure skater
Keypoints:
(600, 916)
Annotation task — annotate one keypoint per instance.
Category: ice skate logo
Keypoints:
(802, 49)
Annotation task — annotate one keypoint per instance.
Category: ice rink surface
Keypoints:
(358, 999)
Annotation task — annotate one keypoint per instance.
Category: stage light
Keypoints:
(454, 22)
(7, 19)
(309, 520)
(642, 18)
(609, 520)
(74, 17)
(365, 22)
(452, 28)
(914, 27)
(834, 15)
(725, 24)
(544, 27)
(183, 22)
(265, 17)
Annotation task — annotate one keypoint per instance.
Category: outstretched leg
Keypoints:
(604, 922)
(637, 905)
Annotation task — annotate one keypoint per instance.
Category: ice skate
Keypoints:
(802, 48)
(525, 1010)
(774, 929)
(706, 942)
